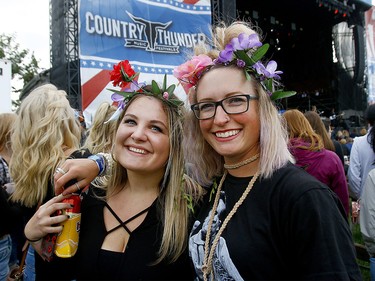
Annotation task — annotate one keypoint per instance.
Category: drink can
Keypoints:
(67, 240)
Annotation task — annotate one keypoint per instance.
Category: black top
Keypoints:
(290, 227)
(135, 263)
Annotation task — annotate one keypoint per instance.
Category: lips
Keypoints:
(227, 134)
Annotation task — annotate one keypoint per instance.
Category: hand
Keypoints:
(83, 171)
(44, 221)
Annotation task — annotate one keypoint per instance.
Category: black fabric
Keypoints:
(10, 214)
(58, 268)
(290, 227)
(135, 263)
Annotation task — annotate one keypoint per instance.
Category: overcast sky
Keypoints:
(29, 21)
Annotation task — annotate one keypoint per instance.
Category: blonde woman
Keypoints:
(45, 134)
(135, 227)
(100, 134)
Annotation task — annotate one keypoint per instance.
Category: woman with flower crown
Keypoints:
(262, 217)
(135, 226)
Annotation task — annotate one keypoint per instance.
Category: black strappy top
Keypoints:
(94, 263)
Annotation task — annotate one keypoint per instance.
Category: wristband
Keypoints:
(108, 163)
(100, 162)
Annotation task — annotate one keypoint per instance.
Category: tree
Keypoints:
(24, 64)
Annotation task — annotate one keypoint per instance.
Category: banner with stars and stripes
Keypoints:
(154, 35)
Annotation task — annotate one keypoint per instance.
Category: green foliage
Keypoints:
(24, 64)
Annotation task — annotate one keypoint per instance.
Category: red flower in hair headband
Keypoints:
(124, 76)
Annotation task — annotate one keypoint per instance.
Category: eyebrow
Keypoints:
(225, 96)
(153, 121)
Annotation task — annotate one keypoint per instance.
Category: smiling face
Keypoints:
(142, 138)
(234, 136)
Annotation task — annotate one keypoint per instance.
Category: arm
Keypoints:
(367, 213)
(354, 172)
(44, 221)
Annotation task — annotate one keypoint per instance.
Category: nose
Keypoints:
(139, 134)
(221, 117)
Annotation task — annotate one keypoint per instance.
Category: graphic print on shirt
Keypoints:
(223, 266)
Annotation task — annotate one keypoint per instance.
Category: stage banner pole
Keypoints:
(154, 35)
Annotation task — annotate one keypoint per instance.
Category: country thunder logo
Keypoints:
(141, 33)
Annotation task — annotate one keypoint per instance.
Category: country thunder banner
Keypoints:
(154, 35)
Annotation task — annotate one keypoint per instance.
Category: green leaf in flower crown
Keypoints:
(122, 93)
(155, 88)
(268, 83)
(241, 54)
(259, 53)
(282, 94)
(248, 77)
(170, 89)
(164, 83)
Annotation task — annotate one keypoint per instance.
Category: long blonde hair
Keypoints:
(101, 133)
(176, 187)
(6, 127)
(44, 126)
(274, 152)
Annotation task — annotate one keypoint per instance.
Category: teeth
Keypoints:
(137, 150)
(227, 134)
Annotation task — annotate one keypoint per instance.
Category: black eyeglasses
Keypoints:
(231, 105)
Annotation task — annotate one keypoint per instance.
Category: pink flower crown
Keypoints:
(236, 52)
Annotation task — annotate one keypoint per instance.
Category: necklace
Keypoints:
(242, 163)
(209, 253)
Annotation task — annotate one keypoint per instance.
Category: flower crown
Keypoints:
(236, 53)
(125, 77)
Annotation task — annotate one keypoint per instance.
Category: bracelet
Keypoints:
(100, 162)
(33, 240)
(108, 163)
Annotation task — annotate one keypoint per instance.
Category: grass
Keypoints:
(363, 265)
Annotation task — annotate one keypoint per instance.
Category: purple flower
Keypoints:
(119, 99)
(165, 95)
(240, 63)
(226, 55)
(135, 86)
(269, 71)
(245, 42)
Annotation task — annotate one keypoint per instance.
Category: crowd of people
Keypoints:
(221, 187)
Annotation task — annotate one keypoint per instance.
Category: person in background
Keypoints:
(262, 217)
(308, 149)
(338, 147)
(10, 217)
(362, 156)
(324, 131)
(367, 218)
(46, 132)
(135, 227)
(100, 134)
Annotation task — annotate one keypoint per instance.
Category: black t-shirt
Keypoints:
(135, 263)
(290, 227)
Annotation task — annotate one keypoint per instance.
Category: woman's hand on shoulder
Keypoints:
(74, 175)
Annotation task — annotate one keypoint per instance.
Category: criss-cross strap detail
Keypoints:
(124, 223)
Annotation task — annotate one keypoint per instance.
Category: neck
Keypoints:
(245, 171)
(143, 183)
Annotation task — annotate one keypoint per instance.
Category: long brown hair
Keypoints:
(319, 128)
